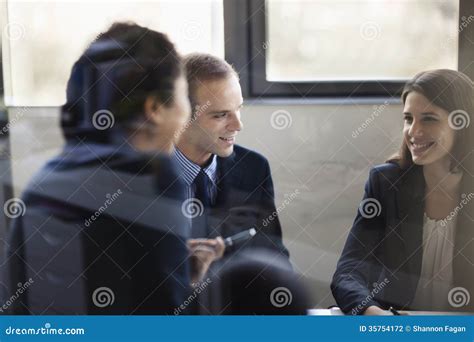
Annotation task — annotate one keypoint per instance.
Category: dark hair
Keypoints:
(453, 91)
(202, 67)
(116, 73)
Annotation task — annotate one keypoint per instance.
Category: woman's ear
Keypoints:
(153, 110)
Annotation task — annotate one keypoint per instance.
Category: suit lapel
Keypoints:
(229, 177)
(410, 202)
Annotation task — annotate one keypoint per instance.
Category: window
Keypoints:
(45, 38)
(359, 40)
(280, 47)
(339, 48)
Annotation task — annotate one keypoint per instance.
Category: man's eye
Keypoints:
(220, 115)
(408, 119)
(430, 118)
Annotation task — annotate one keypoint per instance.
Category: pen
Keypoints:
(240, 237)
(395, 312)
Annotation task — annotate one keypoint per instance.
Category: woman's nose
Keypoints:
(416, 129)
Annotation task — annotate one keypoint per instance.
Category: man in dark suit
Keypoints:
(230, 186)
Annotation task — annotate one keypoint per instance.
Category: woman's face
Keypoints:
(426, 130)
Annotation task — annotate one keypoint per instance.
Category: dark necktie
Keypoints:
(201, 183)
(201, 194)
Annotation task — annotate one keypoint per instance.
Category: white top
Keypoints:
(436, 277)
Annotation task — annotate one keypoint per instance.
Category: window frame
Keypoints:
(245, 36)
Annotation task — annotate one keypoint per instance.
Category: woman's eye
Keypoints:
(428, 118)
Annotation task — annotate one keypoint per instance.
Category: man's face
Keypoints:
(216, 121)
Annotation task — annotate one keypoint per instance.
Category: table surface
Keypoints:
(337, 312)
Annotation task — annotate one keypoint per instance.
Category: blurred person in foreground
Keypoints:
(102, 230)
(260, 283)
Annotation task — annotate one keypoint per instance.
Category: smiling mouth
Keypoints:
(420, 148)
(229, 140)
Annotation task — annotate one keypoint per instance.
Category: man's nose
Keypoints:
(235, 124)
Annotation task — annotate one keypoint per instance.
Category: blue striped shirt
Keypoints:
(190, 170)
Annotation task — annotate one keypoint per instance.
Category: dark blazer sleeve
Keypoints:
(246, 199)
(270, 229)
(358, 266)
(14, 270)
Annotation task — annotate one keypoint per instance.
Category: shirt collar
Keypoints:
(190, 170)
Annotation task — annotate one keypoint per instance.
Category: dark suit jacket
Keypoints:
(381, 261)
(245, 199)
(135, 245)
